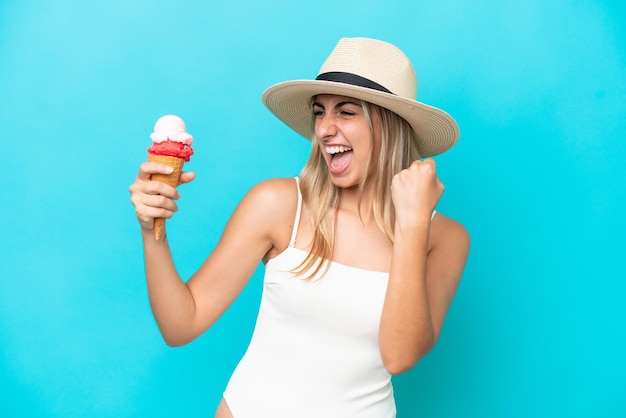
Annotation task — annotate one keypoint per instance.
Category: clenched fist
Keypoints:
(415, 192)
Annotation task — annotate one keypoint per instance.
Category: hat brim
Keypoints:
(434, 130)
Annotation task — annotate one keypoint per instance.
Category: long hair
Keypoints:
(397, 152)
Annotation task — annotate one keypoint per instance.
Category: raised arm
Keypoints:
(428, 259)
(184, 310)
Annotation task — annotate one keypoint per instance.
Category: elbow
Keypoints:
(173, 342)
(177, 334)
(176, 339)
(398, 367)
(400, 361)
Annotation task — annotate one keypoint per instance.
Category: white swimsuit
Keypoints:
(314, 352)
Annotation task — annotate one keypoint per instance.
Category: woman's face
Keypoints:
(345, 138)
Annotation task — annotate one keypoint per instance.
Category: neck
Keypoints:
(360, 204)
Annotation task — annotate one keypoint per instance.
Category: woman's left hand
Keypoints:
(415, 191)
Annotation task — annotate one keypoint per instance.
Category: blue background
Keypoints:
(538, 88)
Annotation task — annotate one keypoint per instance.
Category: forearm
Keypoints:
(171, 301)
(406, 328)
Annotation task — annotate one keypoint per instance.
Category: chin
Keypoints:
(344, 182)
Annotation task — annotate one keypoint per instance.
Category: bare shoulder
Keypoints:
(449, 234)
(274, 203)
(275, 191)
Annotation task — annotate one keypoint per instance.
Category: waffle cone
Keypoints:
(171, 179)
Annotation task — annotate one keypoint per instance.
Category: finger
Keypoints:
(153, 206)
(159, 202)
(187, 177)
(154, 187)
(142, 194)
(147, 169)
(146, 214)
(415, 164)
(430, 162)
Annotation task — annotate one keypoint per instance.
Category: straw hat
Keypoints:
(370, 70)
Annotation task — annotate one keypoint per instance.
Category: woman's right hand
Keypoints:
(153, 199)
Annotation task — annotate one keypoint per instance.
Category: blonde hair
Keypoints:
(397, 152)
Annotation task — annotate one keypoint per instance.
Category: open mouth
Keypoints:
(337, 149)
(340, 157)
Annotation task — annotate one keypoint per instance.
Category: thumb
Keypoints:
(186, 177)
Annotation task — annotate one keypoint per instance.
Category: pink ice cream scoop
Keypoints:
(170, 138)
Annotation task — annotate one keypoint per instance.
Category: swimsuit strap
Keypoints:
(296, 222)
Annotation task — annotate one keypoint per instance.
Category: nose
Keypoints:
(325, 126)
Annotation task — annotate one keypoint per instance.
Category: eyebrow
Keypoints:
(338, 105)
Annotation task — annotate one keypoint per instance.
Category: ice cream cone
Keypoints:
(171, 179)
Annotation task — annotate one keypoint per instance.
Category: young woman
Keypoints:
(360, 268)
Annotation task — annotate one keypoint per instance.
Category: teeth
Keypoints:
(337, 149)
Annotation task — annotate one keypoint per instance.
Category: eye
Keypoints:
(318, 110)
(348, 109)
